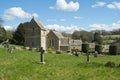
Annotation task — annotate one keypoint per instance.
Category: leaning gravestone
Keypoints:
(10, 49)
(42, 56)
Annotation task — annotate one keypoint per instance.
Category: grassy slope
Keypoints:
(23, 65)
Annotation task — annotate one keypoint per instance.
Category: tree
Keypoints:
(97, 38)
(2, 34)
(19, 34)
(84, 35)
(9, 34)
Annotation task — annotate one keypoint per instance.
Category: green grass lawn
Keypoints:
(24, 65)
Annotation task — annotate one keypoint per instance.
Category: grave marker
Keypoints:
(88, 59)
(42, 56)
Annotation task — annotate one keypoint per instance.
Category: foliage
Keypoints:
(98, 48)
(84, 35)
(9, 34)
(113, 50)
(2, 34)
(19, 34)
(58, 52)
(97, 38)
(85, 47)
(110, 64)
(24, 65)
(49, 50)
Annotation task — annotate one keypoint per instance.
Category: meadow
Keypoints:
(24, 65)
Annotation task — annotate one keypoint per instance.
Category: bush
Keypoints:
(113, 50)
(98, 48)
(58, 52)
(85, 47)
(49, 50)
(110, 64)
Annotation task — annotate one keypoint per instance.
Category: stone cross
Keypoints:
(42, 56)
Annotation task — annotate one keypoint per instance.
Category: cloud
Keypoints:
(62, 20)
(98, 4)
(64, 6)
(114, 5)
(106, 27)
(8, 28)
(77, 17)
(67, 29)
(17, 12)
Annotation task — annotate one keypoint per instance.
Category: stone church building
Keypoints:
(37, 36)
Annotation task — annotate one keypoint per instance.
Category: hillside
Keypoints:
(24, 65)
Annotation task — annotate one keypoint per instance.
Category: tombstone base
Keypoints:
(42, 62)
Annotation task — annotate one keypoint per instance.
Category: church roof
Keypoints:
(38, 23)
(58, 34)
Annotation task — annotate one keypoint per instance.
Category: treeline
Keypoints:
(14, 36)
(104, 32)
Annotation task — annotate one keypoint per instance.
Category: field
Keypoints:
(24, 65)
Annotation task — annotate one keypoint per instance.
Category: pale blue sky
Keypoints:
(63, 15)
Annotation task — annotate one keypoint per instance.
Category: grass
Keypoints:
(24, 65)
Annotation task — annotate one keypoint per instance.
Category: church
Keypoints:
(37, 36)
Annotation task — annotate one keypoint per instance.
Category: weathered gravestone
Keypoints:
(95, 54)
(76, 53)
(10, 49)
(88, 59)
(42, 56)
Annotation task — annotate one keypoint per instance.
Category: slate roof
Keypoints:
(38, 23)
(58, 34)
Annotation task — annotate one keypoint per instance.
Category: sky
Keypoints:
(62, 15)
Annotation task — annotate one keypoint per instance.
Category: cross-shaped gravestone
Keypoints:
(42, 56)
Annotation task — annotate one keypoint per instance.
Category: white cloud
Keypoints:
(17, 12)
(98, 4)
(62, 20)
(77, 17)
(110, 27)
(114, 5)
(8, 28)
(64, 6)
(68, 29)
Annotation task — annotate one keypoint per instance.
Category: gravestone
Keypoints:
(76, 53)
(88, 59)
(10, 49)
(42, 56)
(95, 54)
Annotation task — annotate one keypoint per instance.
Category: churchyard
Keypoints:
(24, 64)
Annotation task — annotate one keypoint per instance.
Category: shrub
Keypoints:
(110, 64)
(58, 52)
(85, 47)
(49, 50)
(98, 48)
(113, 50)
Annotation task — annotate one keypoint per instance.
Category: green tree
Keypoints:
(19, 34)
(2, 34)
(98, 38)
(84, 35)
